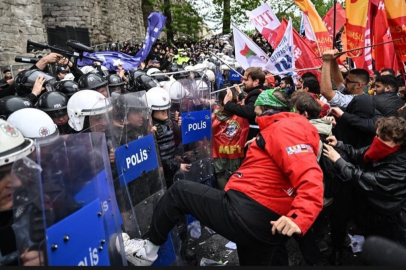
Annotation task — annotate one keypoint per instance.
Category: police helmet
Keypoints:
(145, 82)
(116, 84)
(67, 87)
(25, 80)
(53, 103)
(10, 104)
(13, 145)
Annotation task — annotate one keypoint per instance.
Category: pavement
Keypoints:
(211, 248)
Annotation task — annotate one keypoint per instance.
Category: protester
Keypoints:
(271, 202)
(378, 173)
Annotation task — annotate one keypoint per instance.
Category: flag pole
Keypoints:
(360, 48)
(221, 60)
(334, 27)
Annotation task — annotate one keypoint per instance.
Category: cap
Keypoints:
(61, 70)
(154, 61)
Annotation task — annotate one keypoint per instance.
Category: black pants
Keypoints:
(343, 210)
(213, 208)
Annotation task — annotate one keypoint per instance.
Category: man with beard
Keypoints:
(253, 81)
(352, 85)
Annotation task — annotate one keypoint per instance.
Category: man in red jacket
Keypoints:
(277, 191)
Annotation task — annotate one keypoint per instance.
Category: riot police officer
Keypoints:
(91, 81)
(13, 146)
(10, 104)
(55, 105)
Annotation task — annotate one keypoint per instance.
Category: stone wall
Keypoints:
(20, 20)
(115, 19)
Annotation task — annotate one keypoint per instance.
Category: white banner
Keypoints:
(265, 22)
(282, 59)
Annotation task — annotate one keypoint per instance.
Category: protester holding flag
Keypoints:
(354, 83)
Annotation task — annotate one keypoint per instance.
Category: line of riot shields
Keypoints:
(78, 193)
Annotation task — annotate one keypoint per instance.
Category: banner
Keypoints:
(265, 22)
(328, 19)
(325, 42)
(396, 13)
(247, 53)
(356, 20)
(110, 59)
(282, 59)
(304, 56)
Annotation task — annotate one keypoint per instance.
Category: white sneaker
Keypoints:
(135, 251)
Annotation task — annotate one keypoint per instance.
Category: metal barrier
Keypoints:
(119, 45)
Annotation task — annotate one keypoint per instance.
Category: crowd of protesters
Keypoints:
(323, 149)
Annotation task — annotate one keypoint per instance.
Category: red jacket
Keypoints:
(229, 137)
(285, 177)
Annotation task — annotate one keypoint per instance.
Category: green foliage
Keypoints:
(238, 8)
(185, 20)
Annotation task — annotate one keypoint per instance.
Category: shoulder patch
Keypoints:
(300, 148)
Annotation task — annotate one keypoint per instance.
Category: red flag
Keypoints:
(384, 54)
(328, 19)
(304, 56)
(396, 13)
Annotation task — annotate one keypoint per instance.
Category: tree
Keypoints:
(181, 17)
(221, 16)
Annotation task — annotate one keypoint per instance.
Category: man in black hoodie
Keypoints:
(253, 81)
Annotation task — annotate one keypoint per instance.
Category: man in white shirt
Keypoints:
(353, 84)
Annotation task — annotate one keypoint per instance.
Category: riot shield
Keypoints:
(195, 148)
(137, 187)
(64, 204)
(138, 177)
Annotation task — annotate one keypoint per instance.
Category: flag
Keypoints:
(304, 55)
(396, 13)
(110, 59)
(247, 53)
(265, 22)
(328, 19)
(302, 26)
(356, 13)
(357, 29)
(381, 33)
(309, 33)
(282, 59)
(325, 42)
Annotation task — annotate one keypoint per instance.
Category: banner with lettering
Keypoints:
(303, 55)
(265, 22)
(396, 13)
(356, 20)
(325, 42)
(135, 158)
(282, 59)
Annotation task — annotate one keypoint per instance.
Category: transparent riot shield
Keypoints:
(195, 149)
(138, 177)
(64, 205)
